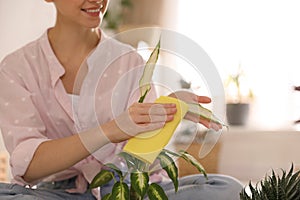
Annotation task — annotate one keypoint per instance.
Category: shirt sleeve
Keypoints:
(21, 125)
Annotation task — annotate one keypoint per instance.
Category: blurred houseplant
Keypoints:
(297, 88)
(239, 96)
(114, 15)
(275, 187)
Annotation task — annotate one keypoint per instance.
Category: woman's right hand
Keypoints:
(141, 117)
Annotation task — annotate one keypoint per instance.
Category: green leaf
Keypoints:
(286, 186)
(102, 178)
(106, 197)
(171, 153)
(116, 169)
(133, 194)
(155, 192)
(168, 164)
(146, 78)
(133, 162)
(140, 165)
(189, 158)
(126, 3)
(142, 98)
(130, 160)
(120, 191)
(140, 182)
(204, 113)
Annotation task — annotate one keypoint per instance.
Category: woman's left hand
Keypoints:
(189, 97)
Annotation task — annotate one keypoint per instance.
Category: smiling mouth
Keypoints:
(97, 10)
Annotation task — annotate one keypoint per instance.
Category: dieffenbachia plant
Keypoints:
(145, 81)
(140, 171)
(205, 113)
(145, 87)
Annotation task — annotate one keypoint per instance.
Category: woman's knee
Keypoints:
(214, 187)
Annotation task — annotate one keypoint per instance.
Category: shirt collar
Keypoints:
(55, 68)
(96, 52)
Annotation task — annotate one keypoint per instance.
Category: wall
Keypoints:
(246, 154)
(22, 21)
(153, 12)
(262, 36)
(250, 155)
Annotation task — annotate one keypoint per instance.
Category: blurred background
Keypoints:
(254, 42)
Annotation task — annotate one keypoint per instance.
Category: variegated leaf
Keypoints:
(130, 160)
(155, 192)
(171, 153)
(106, 197)
(133, 162)
(120, 191)
(189, 158)
(168, 164)
(145, 81)
(133, 194)
(204, 113)
(116, 169)
(102, 178)
(140, 182)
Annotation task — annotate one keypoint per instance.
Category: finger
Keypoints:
(190, 97)
(192, 117)
(147, 119)
(200, 99)
(205, 122)
(161, 110)
(210, 125)
(153, 108)
(197, 119)
(151, 127)
(161, 118)
(203, 99)
(149, 105)
(184, 96)
(216, 126)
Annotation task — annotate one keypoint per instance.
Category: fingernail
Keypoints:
(170, 117)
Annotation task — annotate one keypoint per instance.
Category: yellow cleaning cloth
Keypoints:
(148, 145)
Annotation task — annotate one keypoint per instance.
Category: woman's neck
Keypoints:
(70, 42)
(71, 48)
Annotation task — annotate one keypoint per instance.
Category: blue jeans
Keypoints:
(197, 187)
(44, 191)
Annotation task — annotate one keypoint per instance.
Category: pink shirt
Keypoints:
(34, 105)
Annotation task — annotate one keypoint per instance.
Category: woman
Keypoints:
(61, 115)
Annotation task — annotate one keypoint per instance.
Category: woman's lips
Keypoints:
(92, 11)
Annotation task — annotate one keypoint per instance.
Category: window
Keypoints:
(261, 35)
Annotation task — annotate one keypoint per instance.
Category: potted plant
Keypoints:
(238, 95)
(274, 187)
(139, 170)
(297, 88)
(114, 15)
